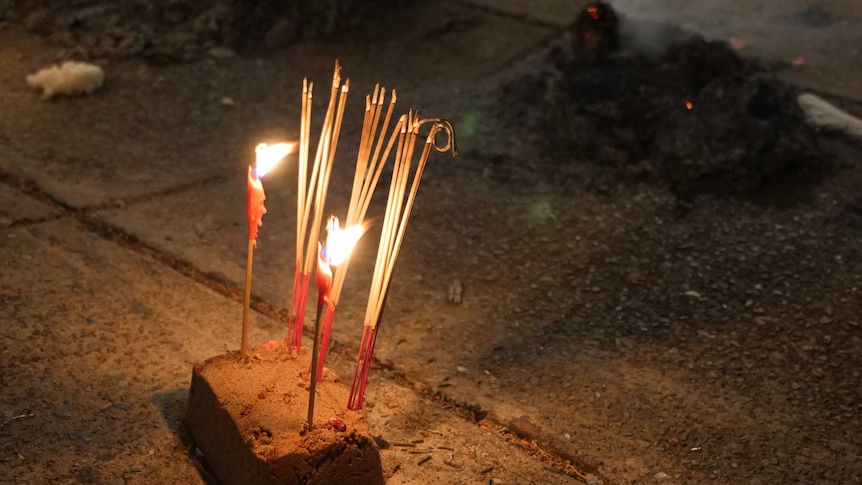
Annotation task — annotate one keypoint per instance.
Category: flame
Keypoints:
(688, 105)
(340, 242)
(268, 156)
(593, 10)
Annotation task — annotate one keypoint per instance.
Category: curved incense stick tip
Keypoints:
(444, 125)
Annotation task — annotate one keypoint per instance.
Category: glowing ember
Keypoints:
(268, 156)
(593, 11)
(688, 105)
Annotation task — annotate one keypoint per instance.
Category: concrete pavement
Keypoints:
(161, 160)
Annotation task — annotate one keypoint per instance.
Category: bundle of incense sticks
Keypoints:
(311, 195)
(395, 220)
(369, 166)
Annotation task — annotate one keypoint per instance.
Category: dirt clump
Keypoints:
(248, 420)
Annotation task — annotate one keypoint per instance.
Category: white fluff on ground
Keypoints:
(819, 112)
(70, 78)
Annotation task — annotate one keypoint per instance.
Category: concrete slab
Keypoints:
(97, 347)
(150, 129)
(16, 206)
(176, 130)
(97, 364)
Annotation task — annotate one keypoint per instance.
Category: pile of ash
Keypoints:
(695, 115)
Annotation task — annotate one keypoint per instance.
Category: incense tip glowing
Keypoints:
(340, 242)
(268, 156)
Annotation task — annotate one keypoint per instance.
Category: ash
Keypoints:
(652, 103)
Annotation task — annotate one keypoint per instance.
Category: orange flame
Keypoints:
(268, 156)
(340, 242)
(593, 11)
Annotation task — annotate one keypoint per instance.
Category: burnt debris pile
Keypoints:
(694, 116)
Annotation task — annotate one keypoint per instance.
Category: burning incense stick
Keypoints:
(339, 244)
(311, 195)
(395, 220)
(266, 158)
(368, 170)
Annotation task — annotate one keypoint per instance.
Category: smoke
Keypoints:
(648, 38)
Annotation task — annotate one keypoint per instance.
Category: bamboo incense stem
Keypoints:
(334, 143)
(373, 182)
(296, 306)
(245, 310)
(311, 193)
(399, 182)
(369, 189)
(395, 219)
(312, 389)
(383, 249)
(321, 160)
(368, 173)
(303, 162)
(408, 206)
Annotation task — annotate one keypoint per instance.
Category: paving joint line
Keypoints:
(524, 18)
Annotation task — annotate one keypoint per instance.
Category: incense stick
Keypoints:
(366, 175)
(311, 195)
(243, 349)
(395, 220)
